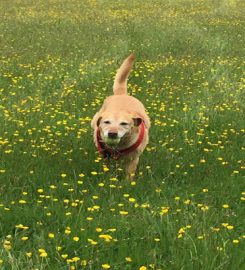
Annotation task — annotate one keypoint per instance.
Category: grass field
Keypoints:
(61, 207)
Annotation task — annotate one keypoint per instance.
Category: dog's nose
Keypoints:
(112, 135)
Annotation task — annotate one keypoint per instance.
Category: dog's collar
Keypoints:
(108, 152)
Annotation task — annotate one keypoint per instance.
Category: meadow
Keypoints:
(61, 206)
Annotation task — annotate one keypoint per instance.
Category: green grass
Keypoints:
(185, 208)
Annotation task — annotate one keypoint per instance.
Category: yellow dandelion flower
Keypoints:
(123, 213)
(22, 201)
(106, 169)
(43, 255)
(64, 256)
(188, 201)
(101, 184)
(181, 230)
(106, 237)
(106, 266)
(76, 238)
(29, 254)
(84, 262)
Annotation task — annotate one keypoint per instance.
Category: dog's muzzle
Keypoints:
(112, 135)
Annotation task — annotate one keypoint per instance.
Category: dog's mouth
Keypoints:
(112, 141)
(115, 139)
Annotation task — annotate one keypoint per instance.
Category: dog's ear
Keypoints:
(137, 121)
(98, 121)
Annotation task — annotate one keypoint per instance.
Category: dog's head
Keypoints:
(115, 127)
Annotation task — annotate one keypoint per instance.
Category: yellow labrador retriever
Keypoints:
(121, 127)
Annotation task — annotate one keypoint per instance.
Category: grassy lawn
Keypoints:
(61, 206)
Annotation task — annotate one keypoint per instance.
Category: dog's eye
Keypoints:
(107, 122)
(123, 124)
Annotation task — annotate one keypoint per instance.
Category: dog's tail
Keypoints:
(120, 82)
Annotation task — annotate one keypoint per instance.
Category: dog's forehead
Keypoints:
(118, 116)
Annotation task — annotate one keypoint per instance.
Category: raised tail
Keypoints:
(120, 82)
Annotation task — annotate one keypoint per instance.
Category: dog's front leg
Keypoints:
(130, 167)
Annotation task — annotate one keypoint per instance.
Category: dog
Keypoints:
(121, 126)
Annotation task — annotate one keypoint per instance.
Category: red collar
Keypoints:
(108, 152)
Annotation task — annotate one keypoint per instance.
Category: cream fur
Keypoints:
(123, 108)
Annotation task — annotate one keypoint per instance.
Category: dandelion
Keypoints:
(43, 254)
(188, 201)
(84, 262)
(75, 259)
(22, 201)
(106, 266)
(123, 213)
(75, 238)
(101, 184)
(7, 245)
(106, 169)
(106, 237)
